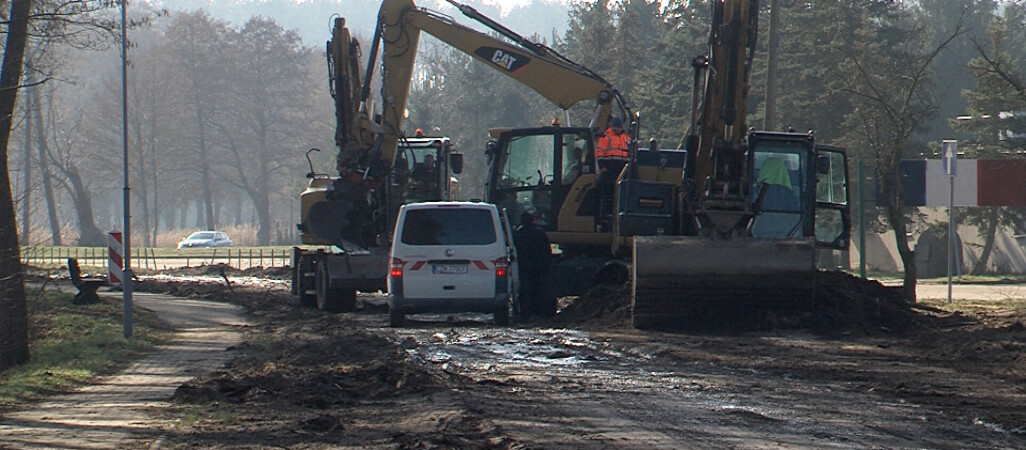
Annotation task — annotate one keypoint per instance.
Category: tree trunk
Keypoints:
(262, 205)
(908, 259)
(891, 184)
(156, 190)
(14, 347)
(208, 196)
(140, 178)
(44, 171)
(89, 234)
(200, 220)
(26, 206)
(988, 247)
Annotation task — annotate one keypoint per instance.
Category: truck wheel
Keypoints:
(326, 300)
(302, 282)
(308, 300)
(396, 319)
(331, 299)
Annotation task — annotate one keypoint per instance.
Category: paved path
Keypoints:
(989, 292)
(119, 411)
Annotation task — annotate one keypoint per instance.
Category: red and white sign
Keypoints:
(115, 258)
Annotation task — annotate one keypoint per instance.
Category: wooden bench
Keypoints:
(87, 286)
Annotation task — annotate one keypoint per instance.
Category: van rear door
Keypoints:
(451, 252)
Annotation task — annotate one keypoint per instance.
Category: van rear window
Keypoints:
(448, 226)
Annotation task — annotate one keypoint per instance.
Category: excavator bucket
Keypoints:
(694, 283)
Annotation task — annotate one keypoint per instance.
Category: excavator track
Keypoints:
(691, 283)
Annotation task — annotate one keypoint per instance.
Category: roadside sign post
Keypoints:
(949, 158)
(115, 258)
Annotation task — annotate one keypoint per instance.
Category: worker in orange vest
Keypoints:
(611, 153)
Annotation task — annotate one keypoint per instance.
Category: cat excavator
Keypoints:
(717, 233)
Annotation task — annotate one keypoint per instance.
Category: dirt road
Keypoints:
(307, 379)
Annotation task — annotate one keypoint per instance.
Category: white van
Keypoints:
(451, 257)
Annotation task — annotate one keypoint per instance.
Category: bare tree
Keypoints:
(268, 113)
(199, 49)
(26, 180)
(33, 106)
(888, 82)
(64, 137)
(13, 309)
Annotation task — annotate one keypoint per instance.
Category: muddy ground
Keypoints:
(889, 376)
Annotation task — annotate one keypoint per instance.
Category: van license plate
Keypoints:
(448, 268)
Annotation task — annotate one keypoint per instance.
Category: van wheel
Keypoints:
(396, 319)
(502, 316)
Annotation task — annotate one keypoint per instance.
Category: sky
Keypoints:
(311, 18)
(505, 5)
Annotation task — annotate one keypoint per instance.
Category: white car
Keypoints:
(201, 239)
(451, 257)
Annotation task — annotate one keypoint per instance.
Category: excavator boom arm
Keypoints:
(561, 82)
(369, 138)
(718, 133)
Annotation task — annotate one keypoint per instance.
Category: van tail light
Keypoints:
(501, 267)
(396, 269)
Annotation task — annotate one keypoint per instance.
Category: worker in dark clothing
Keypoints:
(534, 254)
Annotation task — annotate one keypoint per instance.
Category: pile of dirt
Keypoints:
(318, 380)
(225, 270)
(843, 303)
(207, 290)
(312, 371)
(276, 273)
(601, 307)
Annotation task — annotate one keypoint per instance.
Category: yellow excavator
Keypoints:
(726, 228)
(727, 225)
(351, 215)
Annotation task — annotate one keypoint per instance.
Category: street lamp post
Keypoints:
(127, 273)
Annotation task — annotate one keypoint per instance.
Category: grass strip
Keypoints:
(72, 344)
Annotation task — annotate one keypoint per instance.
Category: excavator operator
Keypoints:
(780, 195)
(424, 180)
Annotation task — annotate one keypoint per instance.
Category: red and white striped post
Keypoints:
(115, 258)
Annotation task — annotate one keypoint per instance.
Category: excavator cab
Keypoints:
(549, 170)
(422, 169)
(798, 189)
